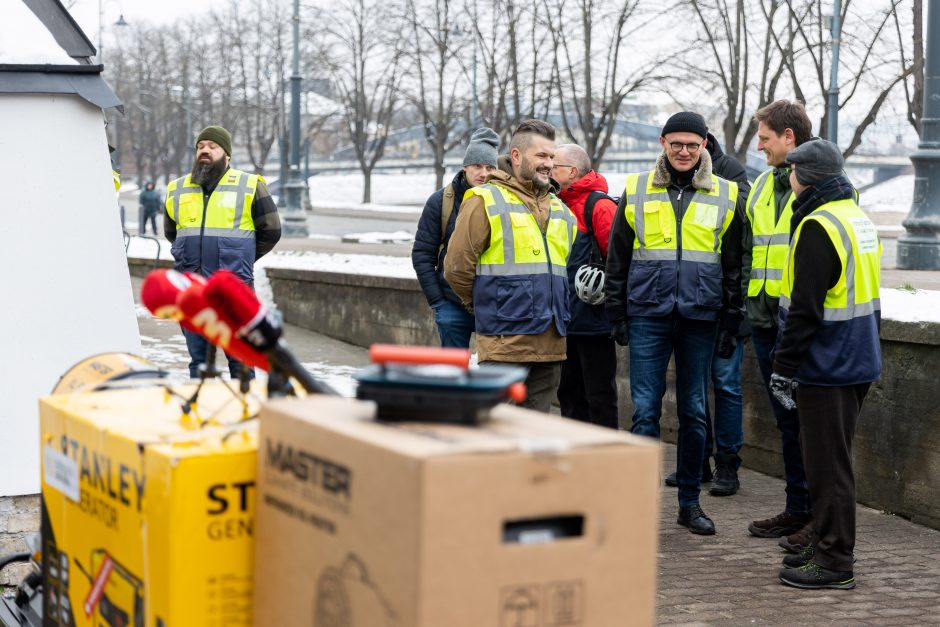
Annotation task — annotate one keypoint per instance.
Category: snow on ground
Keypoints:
(375, 237)
(894, 195)
(374, 265)
(393, 192)
(910, 306)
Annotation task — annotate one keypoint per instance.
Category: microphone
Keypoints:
(238, 305)
(172, 295)
(159, 291)
(205, 320)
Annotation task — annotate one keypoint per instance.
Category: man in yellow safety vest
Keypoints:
(828, 352)
(507, 262)
(218, 217)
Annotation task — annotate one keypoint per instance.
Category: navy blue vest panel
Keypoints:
(842, 353)
(520, 304)
(656, 287)
(231, 253)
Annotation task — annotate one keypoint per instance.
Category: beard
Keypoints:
(205, 173)
(540, 177)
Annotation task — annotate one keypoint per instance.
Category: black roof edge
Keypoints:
(90, 86)
(48, 68)
(66, 31)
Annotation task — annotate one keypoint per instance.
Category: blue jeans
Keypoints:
(454, 324)
(789, 424)
(652, 342)
(198, 347)
(729, 407)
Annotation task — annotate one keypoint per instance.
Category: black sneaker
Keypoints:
(812, 576)
(780, 525)
(671, 480)
(695, 519)
(801, 559)
(796, 542)
(726, 481)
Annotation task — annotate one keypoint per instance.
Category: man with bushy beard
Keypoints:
(507, 262)
(218, 218)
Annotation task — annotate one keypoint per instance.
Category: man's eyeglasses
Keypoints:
(678, 146)
(558, 165)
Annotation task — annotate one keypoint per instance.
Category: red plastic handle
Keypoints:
(403, 354)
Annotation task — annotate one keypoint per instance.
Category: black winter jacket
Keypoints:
(620, 250)
(428, 265)
(727, 167)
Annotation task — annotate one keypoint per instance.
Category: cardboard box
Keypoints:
(527, 521)
(147, 519)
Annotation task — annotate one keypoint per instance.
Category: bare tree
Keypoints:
(588, 67)
(914, 82)
(866, 63)
(436, 37)
(365, 70)
(260, 66)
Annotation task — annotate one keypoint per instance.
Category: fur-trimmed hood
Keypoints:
(703, 175)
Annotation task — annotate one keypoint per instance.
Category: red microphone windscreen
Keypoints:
(203, 318)
(234, 301)
(159, 291)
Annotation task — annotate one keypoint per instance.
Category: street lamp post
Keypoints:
(120, 22)
(295, 221)
(919, 247)
(832, 133)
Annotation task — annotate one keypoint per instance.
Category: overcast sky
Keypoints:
(85, 12)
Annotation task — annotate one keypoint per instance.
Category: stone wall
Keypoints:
(356, 308)
(897, 446)
(19, 516)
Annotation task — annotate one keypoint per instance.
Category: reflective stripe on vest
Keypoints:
(705, 220)
(521, 286)
(846, 349)
(516, 241)
(226, 214)
(771, 237)
(662, 277)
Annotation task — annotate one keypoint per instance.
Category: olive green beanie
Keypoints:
(218, 135)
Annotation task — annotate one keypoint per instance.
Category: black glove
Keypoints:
(726, 344)
(620, 332)
(783, 388)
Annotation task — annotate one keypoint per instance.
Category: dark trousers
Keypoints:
(145, 217)
(454, 324)
(652, 342)
(198, 348)
(788, 422)
(729, 409)
(588, 387)
(541, 382)
(828, 416)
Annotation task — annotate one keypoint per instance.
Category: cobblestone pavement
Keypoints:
(731, 578)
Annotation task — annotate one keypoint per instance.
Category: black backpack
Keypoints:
(596, 257)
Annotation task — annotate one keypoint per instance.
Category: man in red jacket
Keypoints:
(588, 388)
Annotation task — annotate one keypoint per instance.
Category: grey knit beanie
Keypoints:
(483, 147)
(817, 160)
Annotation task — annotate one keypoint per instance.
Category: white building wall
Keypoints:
(68, 292)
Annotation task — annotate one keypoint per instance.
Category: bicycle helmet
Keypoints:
(589, 284)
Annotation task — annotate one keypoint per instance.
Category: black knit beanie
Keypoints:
(686, 122)
(218, 135)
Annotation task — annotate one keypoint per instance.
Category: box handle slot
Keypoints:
(542, 530)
